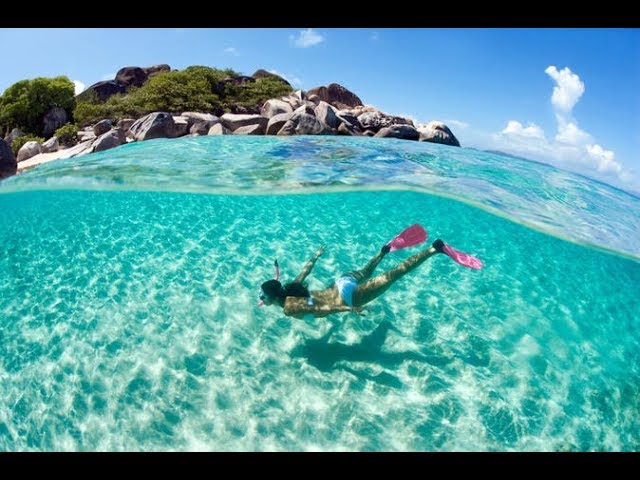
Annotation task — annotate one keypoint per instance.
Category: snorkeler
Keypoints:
(352, 290)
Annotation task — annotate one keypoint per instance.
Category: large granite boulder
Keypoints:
(180, 126)
(349, 130)
(233, 121)
(203, 127)
(51, 145)
(350, 120)
(153, 125)
(110, 139)
(219, 129)
(277, 122)
(8, 164)
(85, 135)
(53, 120)
(405, 132)
(194, 117)
(305, 124)
(156, 69)
(28, 150)
(304, 109)
(125, 124)
(275, 106)
(256, 129)
(438, 132)
(336, 95)
(299, 95)
(264, 74)
(327, 114)
(102, 90)
(103, 126)
(401, 120)
(131, 77)
(374, 121)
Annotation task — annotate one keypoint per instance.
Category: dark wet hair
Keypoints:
(274, 289)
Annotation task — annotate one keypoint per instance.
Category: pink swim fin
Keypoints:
(462, 258)
(410, 236)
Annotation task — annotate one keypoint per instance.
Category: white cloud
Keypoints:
(306, 38)
(571, 147)
(569, 133)
(568, 90)
(456, 123)
(605, 159)
(231, 51)
(516, 128)
(78, 86)
(293, 80)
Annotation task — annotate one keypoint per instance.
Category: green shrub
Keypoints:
(67, 135)
(195, 88)
(176, 92)
(24, 103)
(17, 143)
(255, 93)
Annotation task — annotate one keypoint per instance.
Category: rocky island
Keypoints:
(158, 102)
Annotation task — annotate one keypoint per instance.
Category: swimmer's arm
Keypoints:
(309, 265)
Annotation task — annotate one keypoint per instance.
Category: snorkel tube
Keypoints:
(277, 267)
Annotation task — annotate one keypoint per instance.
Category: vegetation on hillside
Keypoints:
(24, 103)
(196, 88)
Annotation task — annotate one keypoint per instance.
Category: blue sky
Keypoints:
(569, 97)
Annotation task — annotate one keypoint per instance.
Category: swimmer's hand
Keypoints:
(320, 251)
(358, 310)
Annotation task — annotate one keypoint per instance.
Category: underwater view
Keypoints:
(129, 316)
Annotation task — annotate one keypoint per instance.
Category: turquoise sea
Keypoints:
(129, 282)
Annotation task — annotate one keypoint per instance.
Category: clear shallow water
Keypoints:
(540, 196)
(128, 318)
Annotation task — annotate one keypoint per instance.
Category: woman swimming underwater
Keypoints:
(354, 289)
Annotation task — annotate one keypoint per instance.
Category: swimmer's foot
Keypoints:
(410, 236)
(457, 256)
